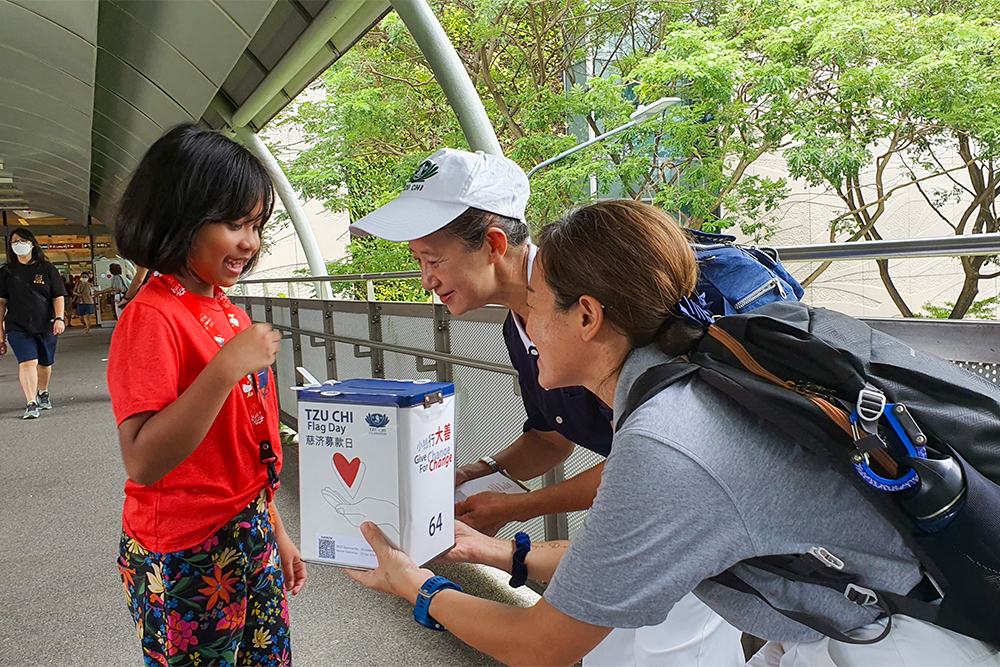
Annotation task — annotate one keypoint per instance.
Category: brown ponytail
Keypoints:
(634, 259)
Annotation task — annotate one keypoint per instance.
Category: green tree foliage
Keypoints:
(381, 111)
(907, 102)
(367, 254)
(984, 309)
(869, 99)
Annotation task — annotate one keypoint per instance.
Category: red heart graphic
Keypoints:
(348, 469)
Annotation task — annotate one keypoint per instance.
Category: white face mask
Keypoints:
(84, 280)
(21, 248)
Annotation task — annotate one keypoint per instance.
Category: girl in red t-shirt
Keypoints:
(205, 560)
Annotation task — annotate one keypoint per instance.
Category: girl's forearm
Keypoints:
(279, 528)
(166, 438)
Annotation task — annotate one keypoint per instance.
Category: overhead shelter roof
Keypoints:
(87, 85)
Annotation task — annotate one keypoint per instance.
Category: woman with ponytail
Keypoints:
(466, 230)
(694, 484)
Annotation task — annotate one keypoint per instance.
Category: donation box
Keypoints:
(380, 451)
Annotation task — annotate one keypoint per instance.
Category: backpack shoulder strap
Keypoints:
(838, 416)
(652, 382)
(806, 568)
(730, 580)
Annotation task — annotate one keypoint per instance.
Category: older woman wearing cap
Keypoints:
(463, 216)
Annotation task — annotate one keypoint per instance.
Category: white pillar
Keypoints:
(291, 202)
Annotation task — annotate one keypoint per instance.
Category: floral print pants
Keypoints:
(220, 603)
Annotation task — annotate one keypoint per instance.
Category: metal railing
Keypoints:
(947, 246)
(315, 281)
(346, 339)
(340, 339)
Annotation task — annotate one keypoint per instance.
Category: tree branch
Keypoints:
(890, 286)
(889, 193)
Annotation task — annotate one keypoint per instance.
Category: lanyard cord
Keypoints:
(250, 387)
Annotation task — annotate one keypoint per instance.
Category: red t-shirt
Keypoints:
(157, 350)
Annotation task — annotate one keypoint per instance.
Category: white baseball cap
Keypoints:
(442, 188)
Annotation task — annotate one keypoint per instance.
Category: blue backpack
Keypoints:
(736, 279)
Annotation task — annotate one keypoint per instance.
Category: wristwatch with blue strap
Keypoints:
(431, 587)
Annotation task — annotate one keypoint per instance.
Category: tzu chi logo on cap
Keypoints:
(426, 170)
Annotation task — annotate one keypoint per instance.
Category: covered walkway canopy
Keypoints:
(87, 85)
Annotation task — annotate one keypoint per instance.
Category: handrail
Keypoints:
(946, 246)
(402, 349)
(347, 278)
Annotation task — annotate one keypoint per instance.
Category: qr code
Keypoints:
(327, 547)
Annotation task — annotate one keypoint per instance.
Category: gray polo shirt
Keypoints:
(694, 484)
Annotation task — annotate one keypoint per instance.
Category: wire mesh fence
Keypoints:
(343, 339)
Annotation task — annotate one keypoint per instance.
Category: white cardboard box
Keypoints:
(380, 451)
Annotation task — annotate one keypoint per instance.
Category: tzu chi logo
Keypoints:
(377, 422)
(426, 170)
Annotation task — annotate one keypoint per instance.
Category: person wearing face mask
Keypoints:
(84, 292)
(118, 287)
(32, 314)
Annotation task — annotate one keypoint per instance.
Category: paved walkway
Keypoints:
(61, 601)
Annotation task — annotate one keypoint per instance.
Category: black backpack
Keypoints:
(917, 435)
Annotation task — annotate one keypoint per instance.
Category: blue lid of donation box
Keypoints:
(403, 393)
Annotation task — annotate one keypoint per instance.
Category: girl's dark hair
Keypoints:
(115, 269)
(188, 178)
(631, 257)
(471, 227)
(37, 254)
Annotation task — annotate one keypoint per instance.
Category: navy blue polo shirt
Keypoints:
(574, 412)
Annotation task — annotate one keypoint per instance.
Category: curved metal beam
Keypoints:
(291, 201)
(450, 74)
(284, 189)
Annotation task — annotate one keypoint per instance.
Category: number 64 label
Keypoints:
(435, 524)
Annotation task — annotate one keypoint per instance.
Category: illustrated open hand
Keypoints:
(382, 513)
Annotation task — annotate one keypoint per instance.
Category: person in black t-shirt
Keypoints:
(32, 314)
